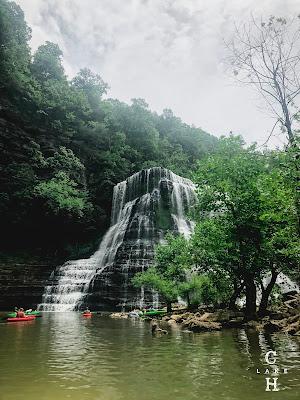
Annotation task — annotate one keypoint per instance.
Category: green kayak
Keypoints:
(153, 312)
(14, 314)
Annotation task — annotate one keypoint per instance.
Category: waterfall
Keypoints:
(182, 191)
(74, 277)
(145, 207)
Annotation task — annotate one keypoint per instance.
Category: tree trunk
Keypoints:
(236, 293)
(169, 307)
(288, 124)
(250, 312)
(285, 110)
(266, 293)
(188, 301)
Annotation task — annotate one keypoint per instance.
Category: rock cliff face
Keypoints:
(22, 285)
(145, 207)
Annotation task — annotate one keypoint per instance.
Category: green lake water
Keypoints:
(64, 356)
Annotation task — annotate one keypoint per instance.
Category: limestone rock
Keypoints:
(22, 285)
(171, 322)
(220, 316)
(119, 315)
(177, 317)
(273, 326)
(293, 329)
(195, 325)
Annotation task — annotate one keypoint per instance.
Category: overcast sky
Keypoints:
(168, 52)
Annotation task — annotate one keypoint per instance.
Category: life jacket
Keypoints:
(21, 314)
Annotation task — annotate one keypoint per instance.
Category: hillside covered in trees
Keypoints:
(64, 146)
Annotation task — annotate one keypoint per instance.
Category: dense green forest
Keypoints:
(64, 146)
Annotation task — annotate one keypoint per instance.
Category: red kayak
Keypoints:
(87, 314)
(29, 318)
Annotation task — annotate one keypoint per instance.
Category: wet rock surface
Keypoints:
(119, 315)
(195, 325)
(22, 285)
(286, 319)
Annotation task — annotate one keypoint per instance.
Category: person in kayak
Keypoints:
(20, 313)
(86, 311)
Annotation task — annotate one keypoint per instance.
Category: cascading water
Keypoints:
(144, 207)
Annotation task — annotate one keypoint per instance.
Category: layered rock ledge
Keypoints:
(22, 285)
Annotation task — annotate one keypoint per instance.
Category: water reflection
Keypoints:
(67, 356)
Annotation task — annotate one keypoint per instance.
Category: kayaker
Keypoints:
(86, 311)
(20, 313)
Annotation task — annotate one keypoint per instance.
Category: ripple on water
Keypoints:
(66, 356)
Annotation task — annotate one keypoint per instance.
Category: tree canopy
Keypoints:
(66, 146)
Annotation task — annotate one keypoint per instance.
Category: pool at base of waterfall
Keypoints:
(65, 356)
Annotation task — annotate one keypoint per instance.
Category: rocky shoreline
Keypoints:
(285, 319)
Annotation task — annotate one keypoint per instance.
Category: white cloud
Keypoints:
(168, 52)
